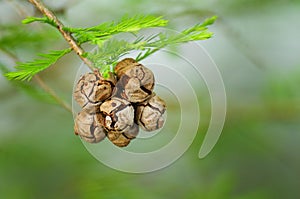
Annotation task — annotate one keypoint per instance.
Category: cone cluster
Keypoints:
(116, 107)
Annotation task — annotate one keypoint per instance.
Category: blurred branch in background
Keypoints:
(240, 43)
(12, 37)
(31, 89)
(68, 37)
(18, 8)
(237, 39)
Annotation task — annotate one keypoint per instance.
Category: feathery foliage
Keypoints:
(29, 20)
(109, 53)
(25, 71)
(104, 31)
(161, 40)
(111, 49)
(29, 88)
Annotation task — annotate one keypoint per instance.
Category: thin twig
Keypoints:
(37, 78)
(68, 37)
(46, 88)
(41, 83)
(234, 35)
(240, 42)
(22, 12)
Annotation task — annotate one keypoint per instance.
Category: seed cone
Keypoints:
(88, 127)
(149, 114)
(116, 115)
(123, 139)
(118, 139)
(136, 82)
(116, 109)
(123, 66)
(92, 89)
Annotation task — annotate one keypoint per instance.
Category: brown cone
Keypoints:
(88, 127)
(92, 89)
(149, 114)
(116, 115)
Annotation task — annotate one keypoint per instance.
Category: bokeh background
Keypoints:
(256, 47)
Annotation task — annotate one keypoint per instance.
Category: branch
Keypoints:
(49, 90)
(42, 84)
(68, 37)
(234, 35)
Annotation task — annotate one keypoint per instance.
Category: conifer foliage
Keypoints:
(111, 49)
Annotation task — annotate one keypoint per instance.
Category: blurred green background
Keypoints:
(256, 47)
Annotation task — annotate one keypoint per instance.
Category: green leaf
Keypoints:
(130, 24)
(112, 49)
(25, 71)
(210, 21)
(195, 33)
(104, 31)
(29, 89)
(29, 20)
(109, 53)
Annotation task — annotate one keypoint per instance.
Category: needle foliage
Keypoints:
(111, 49)
(25, 71)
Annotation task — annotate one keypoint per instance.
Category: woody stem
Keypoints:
(68, 37)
